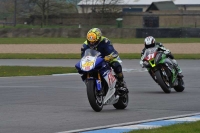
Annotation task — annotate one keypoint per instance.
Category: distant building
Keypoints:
(86, 6)
(161, 6)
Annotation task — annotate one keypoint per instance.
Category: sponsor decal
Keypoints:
(111, 78)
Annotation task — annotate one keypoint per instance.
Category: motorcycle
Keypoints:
(101, 82)
(162, 70)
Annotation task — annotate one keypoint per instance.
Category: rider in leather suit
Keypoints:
(149, 42)
(96, 41)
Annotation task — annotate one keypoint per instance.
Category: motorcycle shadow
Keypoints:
(104, 110)
(156, 92)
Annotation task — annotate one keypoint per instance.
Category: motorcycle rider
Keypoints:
(150, 42)
(96, 41)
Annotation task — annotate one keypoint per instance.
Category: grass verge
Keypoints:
(77, 56)
(40, 56)
(192, 127)
(63, 40)
(7, 71)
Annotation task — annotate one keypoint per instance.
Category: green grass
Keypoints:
(162, 40)
(63, 40)
(192, 127)
(42, 40)
(6, 71)
(177, 56)
(78, 56)
(27, 26)
(40, 56)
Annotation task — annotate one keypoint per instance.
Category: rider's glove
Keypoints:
(166, 52)
(141, 64)
(108, 58)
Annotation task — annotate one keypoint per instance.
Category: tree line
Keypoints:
(46, 8)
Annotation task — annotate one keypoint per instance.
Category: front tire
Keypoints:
(96, 102)
(122, 102)
(163, 84)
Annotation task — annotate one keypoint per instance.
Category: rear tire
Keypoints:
(96, 102)
(181, 85)
(163, 85)
(122, 102)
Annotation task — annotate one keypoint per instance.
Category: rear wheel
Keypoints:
(181, 85)
(163, 81)
(95, 100)
(122, 102)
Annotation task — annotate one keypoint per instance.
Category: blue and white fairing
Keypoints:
(90, 61)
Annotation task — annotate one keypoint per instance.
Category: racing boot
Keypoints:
(180, 75)
(179, 71)
(122, 84)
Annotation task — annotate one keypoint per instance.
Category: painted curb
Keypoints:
(146, 124)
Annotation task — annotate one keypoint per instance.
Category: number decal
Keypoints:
(150, 56)
(88, 64)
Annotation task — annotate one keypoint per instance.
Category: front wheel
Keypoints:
(122, 102)
(163, 82)
(181, 85)
(95, 100)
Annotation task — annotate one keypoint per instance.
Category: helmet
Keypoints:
(93, 37)
(149, 42)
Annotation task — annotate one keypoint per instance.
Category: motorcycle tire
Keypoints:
(181, 85)
(92, 96)
(160, 80)
(122, 102)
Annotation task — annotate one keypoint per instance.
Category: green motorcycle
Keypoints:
(162, 70)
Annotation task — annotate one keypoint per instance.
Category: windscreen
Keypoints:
(150, 51)
(91, 52)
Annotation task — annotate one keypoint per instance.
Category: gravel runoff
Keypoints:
(178, 48)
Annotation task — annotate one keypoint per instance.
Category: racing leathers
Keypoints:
(168, 53)
(110, 55)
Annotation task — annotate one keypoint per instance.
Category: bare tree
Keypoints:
(7, 5)
(112, 6)
(7, 10)
(103, 6)
(24, 8)
(74, 4)
(49, 7)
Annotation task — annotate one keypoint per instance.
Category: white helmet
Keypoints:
(149, 42)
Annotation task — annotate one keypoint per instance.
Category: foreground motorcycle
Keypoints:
(162, 70)
(101, 82)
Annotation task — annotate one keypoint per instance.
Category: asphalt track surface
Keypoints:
(50, 104)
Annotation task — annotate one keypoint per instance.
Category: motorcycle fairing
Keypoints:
(111, 81)
(152, 63)
(170, 66)
(112, 100)
(160, 58)
(87, 63)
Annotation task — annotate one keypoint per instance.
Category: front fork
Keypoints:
(98, 82)
(151, 72)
